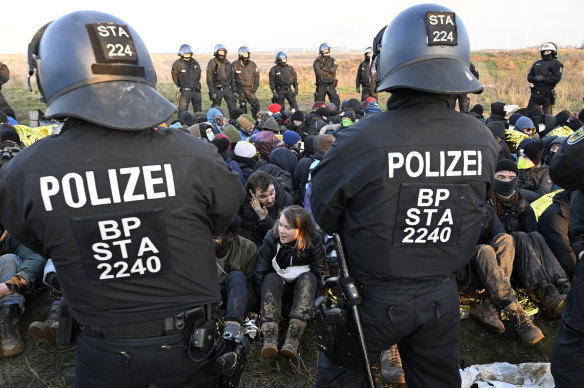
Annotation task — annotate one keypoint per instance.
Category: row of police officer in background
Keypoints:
(241, 79)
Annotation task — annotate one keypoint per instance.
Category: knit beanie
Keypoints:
(533, 150)
(368, 100)
(274, 108)
(507, 165)
(271, 125)
(562, 118)
(523, 123)
(298, 116)
(222, 143)
(9, 134)
(245, 149)
(194, 130)
(290, 138)
(232, 133)
(245, 122)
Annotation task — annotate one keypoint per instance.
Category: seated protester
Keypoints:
(265, 199)
(372, 108)
(271, 125)
(553, 224)
(266, 142)
(315, 121)
(498, 113)
(294, 241)
(236, 257)
(185, 118)
(292, 140)
(233, 135)
(195, 130)
(206, 131)
(562, 118)
(48, 328)
(274, 108)
(281, 167)
(244, 124)
(216, 118)
(535, 265)
(477, 112)
(533, 180)
(20, 272)
(223, 145)
(498, 130)
(535, 113)
(525, 126)
(234, 115)
(513, 119)
(321, 145)
(245, 154)
(490, 269)
(332, 109)
(297, 124)
(546, 125)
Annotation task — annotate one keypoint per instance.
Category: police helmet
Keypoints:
(367, 51)
(280, 56)
(323, 47)
(242, 50)
(108, 78)
(218, 48)
(426, 47)
(549, 46)
(185, 49)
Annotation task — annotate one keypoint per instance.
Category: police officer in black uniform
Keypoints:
(186, 74)
(127, 215)
(325, 69)
(545, 74)
(247, 81)
(567, 170)
(283, 82)
(221, 79)
(407, 199)
(364, 77)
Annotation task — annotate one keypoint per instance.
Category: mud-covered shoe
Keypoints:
(292, 341)
(48, 329)
(391, 366)
(489, 316)
(231, 329)
(12, 344)
(270, 332)
(551, 300)
(526, 330)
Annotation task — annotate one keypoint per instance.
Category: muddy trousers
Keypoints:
(553, 226)
(568, 352)
(490, 269)
(162, 361)
(535, 264)
(234, 295)
(423, 318)
(275, 293)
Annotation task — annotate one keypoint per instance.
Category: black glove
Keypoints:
(213, 96)
(358, 89)
(296, 91)
(539, 77)
(53, 281)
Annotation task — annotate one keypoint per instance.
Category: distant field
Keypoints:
(503, 73)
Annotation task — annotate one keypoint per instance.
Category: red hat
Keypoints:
(368, 100)
(274, 108)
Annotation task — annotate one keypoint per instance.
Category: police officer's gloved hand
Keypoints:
(213, 96)
(539, 77)
(295, 92)
(358, 90)
(53, 281)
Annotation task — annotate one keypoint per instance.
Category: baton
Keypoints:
(351, 294)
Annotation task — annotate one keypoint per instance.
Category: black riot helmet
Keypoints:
(218, 48)
(548, 46)
(426, 47)
(108, 77)
(185, 49)
(324, 48)
(242, 51)
(281, 57)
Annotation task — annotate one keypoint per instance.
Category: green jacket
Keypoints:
(241, 256)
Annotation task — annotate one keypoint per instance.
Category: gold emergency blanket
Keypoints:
(29, 135)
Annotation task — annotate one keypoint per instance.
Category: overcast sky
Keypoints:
(266, 25)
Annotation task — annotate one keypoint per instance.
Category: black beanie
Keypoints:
(298, 116)
(498, 129)
(562, 118)
(534, 151)
(478, 108)
(507, 165)
(9, 134)
(222, 144)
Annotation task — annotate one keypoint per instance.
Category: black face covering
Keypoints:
(504, 189)
(546, 57)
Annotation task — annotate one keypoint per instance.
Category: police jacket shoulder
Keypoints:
(566, 167)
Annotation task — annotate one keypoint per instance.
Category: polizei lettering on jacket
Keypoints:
(126, 184)
(430, 164)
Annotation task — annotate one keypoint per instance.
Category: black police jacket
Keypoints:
(186, 74)
(325, 69)
(247, 75)
(127, 217)
(551, 70)
(405, 188)
(363, 76)
(220, 75)
(313, 257)
(283, 76)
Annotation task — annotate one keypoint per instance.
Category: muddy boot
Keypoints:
(270, 331)
(48, 329)
(551, 300)
(391, 366)
(489, 316)
(526, 330)
(295, 330)
(231, 329)
(9, 330)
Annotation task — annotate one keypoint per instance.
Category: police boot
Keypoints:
(489, 316)
(526, 330)
(9, 330)
(270, 331)
(551, 300)
(391, 366)
(295, 330)
(48, 329)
